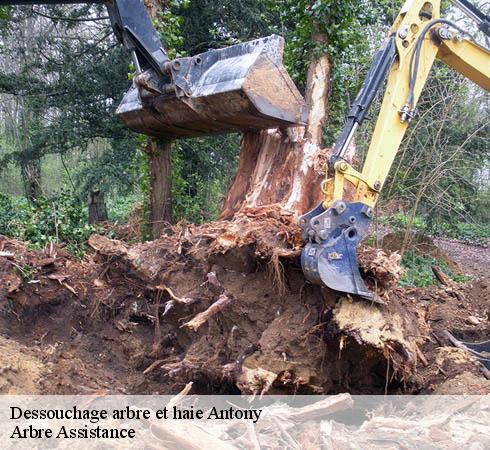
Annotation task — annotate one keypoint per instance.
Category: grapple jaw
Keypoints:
(244, 86)
(330, 255)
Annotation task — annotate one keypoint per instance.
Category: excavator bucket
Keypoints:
(330, 256)
(236, 88)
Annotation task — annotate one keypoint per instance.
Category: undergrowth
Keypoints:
(468, 232)
(59, 218)
(418, 270)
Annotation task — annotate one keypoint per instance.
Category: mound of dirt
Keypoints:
(224, 305)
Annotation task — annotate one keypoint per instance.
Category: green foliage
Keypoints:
(66, 84)
(471, 233)
(169, 24)
(70, 82)
(401, 221)
(4, 15)
(114, 170)
(206, 24)
(442, 165)
(120, 208)
(418, 270)
(59, 218)
(201, 173)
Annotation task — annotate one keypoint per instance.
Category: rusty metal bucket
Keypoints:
(240, 87)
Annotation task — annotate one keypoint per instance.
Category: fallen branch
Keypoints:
(441, 276)
(220, 304)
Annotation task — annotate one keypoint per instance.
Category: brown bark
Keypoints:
(159, 151)
(441, 276)
(159, 162)
(97, 211)
(31, 177)
(285, 167)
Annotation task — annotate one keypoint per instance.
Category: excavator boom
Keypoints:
(418, 37)
(237, 88)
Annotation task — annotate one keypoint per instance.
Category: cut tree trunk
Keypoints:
(159, 162)
(285, 166)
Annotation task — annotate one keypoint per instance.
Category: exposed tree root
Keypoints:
(226, 306)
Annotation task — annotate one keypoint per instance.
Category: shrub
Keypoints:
(471, 233)
(58, 218)
(401, 221)
(418, 270)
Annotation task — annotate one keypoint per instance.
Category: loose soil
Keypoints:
(225, 305)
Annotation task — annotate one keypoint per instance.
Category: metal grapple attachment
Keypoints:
(240, 87)
(330, 255)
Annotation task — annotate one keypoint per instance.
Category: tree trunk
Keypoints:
(30, 164)
(285, 166)
(97, 211)
(159, 152)
(31, 178)
(159, 162)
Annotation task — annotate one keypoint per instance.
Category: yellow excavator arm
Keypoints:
(417, 38)
(463, 55)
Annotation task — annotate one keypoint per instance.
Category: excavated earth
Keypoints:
(225, 305)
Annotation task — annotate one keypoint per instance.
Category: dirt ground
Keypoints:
(474, 260)
(225, 305)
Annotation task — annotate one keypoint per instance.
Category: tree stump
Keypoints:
(97, 211)
(285, 166)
